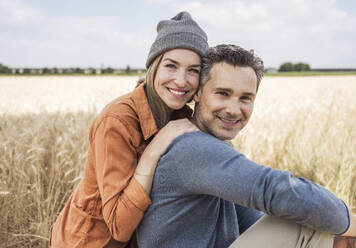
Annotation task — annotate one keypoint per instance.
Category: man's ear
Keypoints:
(197, 95)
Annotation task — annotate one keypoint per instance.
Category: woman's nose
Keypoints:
(180, 79)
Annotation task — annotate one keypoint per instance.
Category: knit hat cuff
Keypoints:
(184, 40)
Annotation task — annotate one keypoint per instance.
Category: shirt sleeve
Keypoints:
(123, 199)
(206, 165)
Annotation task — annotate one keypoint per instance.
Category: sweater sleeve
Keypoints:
(123, 199)
(206, 165)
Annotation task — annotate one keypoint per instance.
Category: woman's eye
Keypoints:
(195, 71)
(173, 66)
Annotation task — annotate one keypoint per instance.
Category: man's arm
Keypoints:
(208, 166)
(247, 217)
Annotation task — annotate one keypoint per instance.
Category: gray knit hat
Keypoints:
(179, 32)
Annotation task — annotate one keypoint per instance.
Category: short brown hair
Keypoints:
(233, 55)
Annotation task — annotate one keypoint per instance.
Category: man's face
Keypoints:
(225, 103)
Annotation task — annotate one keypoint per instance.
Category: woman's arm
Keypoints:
(125, 198)
(149, 159)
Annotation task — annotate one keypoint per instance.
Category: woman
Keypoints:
(109, 202)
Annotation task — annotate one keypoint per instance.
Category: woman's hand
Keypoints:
(344, 242)
(166, 135)
(348, 239)
(149, 159)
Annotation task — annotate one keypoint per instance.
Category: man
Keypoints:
(205, 194)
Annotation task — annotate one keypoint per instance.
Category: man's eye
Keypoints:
(246, 99)
(222, 93)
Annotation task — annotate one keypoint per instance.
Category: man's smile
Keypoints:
(229, 122)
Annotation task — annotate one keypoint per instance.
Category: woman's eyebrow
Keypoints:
(172, 60)
(176, 62)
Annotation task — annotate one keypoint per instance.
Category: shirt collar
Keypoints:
(144, 113)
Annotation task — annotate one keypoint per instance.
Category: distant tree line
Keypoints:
(288, 66)
(72, 70)
(285, 67)
(4, 69)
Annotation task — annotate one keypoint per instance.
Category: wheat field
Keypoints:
(302, 124)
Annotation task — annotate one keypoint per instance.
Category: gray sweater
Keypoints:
(199, 181)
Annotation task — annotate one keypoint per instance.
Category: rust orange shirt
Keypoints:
(108, 204)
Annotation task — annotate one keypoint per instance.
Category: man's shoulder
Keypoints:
(194, 138)
(197, 137)
(196, 143)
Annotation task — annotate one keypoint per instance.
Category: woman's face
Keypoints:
(177, 77)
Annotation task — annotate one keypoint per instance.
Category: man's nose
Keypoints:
(234, 108)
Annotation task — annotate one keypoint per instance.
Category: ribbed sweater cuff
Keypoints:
(348, 216)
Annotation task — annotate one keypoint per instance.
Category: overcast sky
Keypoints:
(66, 33)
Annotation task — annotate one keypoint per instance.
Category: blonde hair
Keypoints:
(161, 112)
